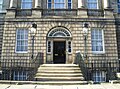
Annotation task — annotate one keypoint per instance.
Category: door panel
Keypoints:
(59, 54)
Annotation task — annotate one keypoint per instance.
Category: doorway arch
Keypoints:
(59, 45)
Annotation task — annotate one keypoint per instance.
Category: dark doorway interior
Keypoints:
(59, 54)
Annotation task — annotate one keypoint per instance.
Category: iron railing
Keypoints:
(59, 12)
(80, 61)
(111, 67)
(23, 12)
(95, 12)
(8, 66)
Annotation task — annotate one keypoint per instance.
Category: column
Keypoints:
(80, 4)
(106, 4)
(36, 4)
(11, 4)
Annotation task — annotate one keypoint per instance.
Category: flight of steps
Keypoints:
(60, 74)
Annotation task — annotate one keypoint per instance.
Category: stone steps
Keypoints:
(59, 74)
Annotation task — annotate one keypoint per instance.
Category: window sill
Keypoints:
(4, 11)
(21, 52)
(98, 52)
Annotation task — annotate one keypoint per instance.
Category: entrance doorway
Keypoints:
(59, 52)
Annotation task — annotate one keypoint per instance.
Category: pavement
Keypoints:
(92, 86)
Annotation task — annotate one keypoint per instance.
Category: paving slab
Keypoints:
(22, 87)
(70, 87)
(110, 86)
(96, 87)
(4, 86)
(48, 87)
(84, 87)
(117, 86)
(30, 86)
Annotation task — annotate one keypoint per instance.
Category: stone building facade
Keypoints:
(59, 33)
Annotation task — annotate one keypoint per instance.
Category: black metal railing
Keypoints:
(8, 67)
(23, 12)
(35, 64)
(81, 62)
(110, 67)
(95, 12)
(59, 12)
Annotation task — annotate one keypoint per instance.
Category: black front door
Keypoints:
(59, 54)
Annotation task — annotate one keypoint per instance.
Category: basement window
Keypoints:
(20, 75)
(99, 76)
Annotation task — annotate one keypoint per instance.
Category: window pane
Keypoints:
(118, 6)
(1, 2)
(69, 1)
(69, 47)
(92, 4)
(22, 40)
(49, 6)
(69, 5)
(49, 0)
(20, 75)
(99, 76)
(59, 4)
(26, 4)
(97, 40)
(49, 46)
